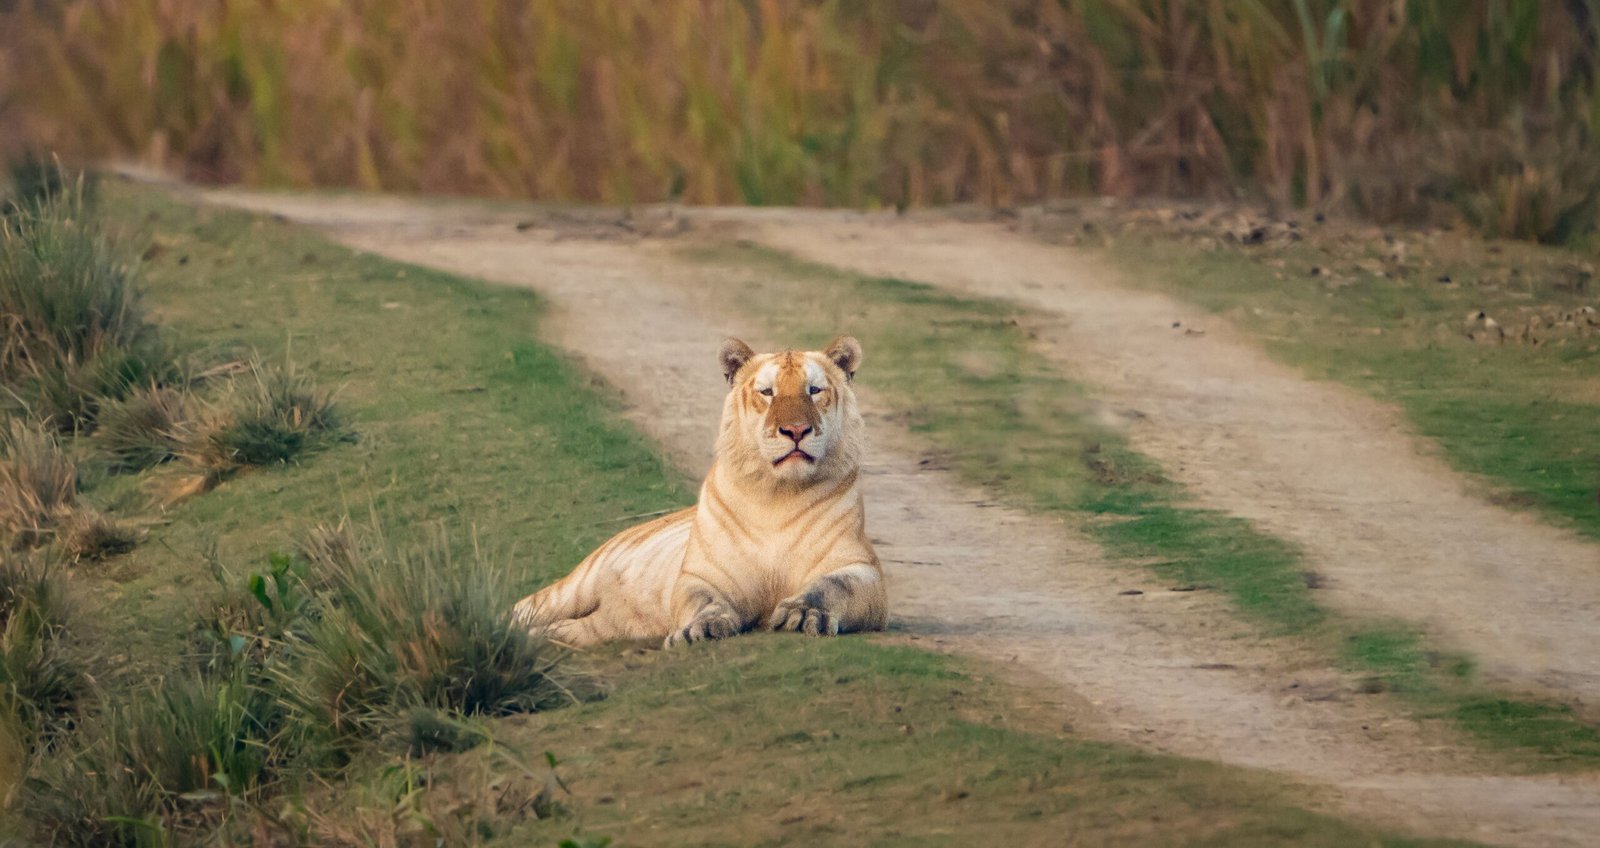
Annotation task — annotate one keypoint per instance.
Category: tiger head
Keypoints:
(791, 417)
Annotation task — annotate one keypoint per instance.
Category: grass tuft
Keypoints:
(167, 755)
(143, 429)
(331, 548)
(39, 499)
(269, 416)
(277, 415)
(406, 628)
(38, 484)
(73, 331)
(38, 681)
(430, 730)
(37, 180)
(88, 535)
(70, 394)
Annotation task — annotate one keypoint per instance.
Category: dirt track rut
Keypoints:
(1173, 671)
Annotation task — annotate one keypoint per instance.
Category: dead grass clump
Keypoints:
(88, 535)
(38, 484)
(39, 499)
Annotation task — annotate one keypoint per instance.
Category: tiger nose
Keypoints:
(795, 431)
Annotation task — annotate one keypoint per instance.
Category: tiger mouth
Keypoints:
(794, 454)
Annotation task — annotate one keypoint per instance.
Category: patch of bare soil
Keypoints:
(1169, 670)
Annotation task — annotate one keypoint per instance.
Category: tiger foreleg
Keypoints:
(844, 600)
(701, 613)
(556, 602)
(572, 632)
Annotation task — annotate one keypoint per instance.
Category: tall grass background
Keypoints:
(1480, 111)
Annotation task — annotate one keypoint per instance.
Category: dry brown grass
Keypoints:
(331, 547)
(1372, 104)
(86, 534)
(38, 484)
(39, 501)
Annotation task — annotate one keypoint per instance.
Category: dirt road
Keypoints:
(1173, 671)
(1393, 530)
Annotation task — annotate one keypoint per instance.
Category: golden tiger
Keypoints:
(778, 539)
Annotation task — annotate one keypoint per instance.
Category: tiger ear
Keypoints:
(845, 352)
(733, 356)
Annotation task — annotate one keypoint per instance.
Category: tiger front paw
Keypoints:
(800, 615)
(714, 623)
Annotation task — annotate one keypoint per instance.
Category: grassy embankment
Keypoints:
(464, 422)
(961, 370)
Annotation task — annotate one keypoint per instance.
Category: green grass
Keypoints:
(154, 761)
(1518, 416)
(39, 681)
(461, 419)
(818, 741)
(1197, 547)
(1549, 728)
(464, 421)
(1394, 655)
(74, 332)
(1536, 733)
(961, 370)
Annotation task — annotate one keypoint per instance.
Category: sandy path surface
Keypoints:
(1395, 532)
(1173, 671)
